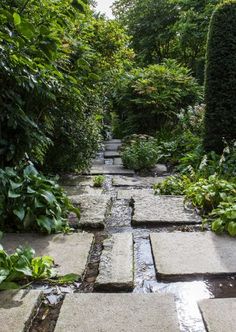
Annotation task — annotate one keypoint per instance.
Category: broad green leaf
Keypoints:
(17, 19)
(20, 213)
(8, 285)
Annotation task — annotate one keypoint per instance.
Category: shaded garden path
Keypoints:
(129, 243)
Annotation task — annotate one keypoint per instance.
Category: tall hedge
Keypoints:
(220, 81)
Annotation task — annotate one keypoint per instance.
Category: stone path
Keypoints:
(133, 241)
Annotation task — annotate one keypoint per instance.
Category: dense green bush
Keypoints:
(147, 99)
(220, 85)
(172, 185)
(30, 201)
(140, 154)
(57, 64)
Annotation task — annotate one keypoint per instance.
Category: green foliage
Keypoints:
(140, 154)
(220, 119)
(30, 201)
(207, 194)
(57, 65)
(162, 29)
(173, 185)
(224, 216)
(98, 180)
(146, 99)
(23, 266)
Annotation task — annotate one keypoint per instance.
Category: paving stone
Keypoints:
(196, 253)
(162, 210)
(134, 193)
(114, 141)
(93, 209)
(111, 154)
(219, 314)
(126, 181)
(17, 309)
(112, 147)
(70, 252)
(116, 264)
(97, 162)
(76, 180)
(118, 313)
(110, 169)
(160, 169)
(118, 161)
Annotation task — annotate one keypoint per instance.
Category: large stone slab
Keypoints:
(114, 141)
(190, 254)
(137, 181)
(93, 209)
(70, 252)
(118, 313)
(110, 170)
(111, 154)
(162, 210)
(134, 193)
(219, 314)
(17, 309)
(116, 264)
(75, 180)
(112, 146)
(118, 161)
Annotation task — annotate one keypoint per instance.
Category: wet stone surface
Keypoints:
(136, 181)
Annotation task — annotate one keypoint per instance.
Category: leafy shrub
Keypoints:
(141, 154)
(98, 181)
(192, 119)
(22, 265)
(29, 200)
(173, 185)
(224, 216)
(147, 99)
(220, 119)
(207, 194)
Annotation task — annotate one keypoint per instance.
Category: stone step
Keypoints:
(113, 141)
(126, 181)
(17, 309)
(70, 252)
(134, 193)
(111, 154)
(162, 210)
(118, 161)
(193, 254)
(112, 146)
(94, 209)
(116, 264)
(219, 314)
(110, 170)
(117, 313)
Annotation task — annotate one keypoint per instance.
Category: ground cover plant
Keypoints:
(98, 181)
(31, 201)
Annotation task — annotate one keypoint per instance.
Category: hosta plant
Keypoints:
(207, 194)
(30, 201)
(224, 216)
(173, 185)
(98, 181)
(23, 266)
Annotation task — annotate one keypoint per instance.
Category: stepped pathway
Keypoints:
(144, 263)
